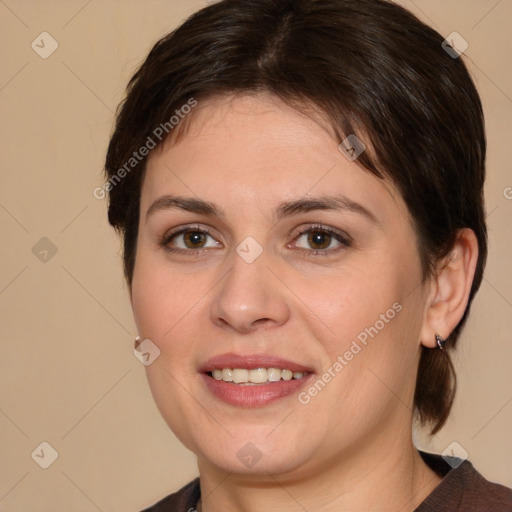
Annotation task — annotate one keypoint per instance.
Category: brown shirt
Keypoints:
(462, 489)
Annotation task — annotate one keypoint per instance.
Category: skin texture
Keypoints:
(350, 445)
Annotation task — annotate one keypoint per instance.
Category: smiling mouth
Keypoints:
(242, 376)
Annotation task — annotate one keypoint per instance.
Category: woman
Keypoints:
(299, 187)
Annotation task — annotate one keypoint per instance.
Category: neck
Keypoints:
(385, 475)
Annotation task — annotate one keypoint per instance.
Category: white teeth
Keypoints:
(240, 375)
(287, 375)
(258, 376)
(227, 375)
(274, 374)
(255, 376)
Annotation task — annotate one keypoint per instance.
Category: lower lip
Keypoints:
(256, 395)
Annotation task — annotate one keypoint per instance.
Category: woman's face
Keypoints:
(293, 258)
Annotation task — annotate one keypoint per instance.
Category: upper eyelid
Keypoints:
(171, 234)
(297, 232)
(209, 229)
(186, 227)
(325, 229)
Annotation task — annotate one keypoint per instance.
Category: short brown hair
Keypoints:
(372, 69)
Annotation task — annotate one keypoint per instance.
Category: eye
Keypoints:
(189, 239)
(320, 240)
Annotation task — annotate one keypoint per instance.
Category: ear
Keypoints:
(450, 289)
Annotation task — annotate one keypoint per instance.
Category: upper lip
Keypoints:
(251, 362)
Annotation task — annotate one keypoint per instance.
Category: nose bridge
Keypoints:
(250, 292)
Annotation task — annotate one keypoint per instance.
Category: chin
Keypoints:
(254, 462)
(254, 454)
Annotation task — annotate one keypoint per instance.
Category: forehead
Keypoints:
(258, 148)
(242, 131)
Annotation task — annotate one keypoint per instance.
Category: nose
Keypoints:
(249, 297)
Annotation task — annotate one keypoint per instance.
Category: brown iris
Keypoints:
(194, 239)
(319, 240)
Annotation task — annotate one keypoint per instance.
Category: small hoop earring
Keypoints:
(137, 341)
(440, 342)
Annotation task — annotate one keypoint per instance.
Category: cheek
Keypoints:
(342, 306)
(164, 304)
(367, 322)
(161, 297)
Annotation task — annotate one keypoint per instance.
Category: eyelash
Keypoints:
(343, 239)
(190, 229)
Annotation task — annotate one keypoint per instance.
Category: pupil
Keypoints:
(319, 239)
(193, 238)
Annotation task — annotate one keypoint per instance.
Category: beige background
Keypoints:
(68, 375)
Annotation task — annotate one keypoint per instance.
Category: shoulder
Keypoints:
(463, 488)
(184, 500)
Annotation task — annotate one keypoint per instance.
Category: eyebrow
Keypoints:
(189, 204)
(336, 202)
